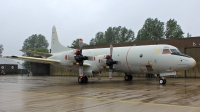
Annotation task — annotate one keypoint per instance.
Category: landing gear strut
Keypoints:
(82, 79)
(128, 77)
(162, 81)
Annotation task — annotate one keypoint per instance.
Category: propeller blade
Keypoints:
(81, 71)
(80, 45)
(110, 73)
(91, 58)
(111, 50)
(119, 63)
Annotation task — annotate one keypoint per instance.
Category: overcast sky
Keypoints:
(74, 19)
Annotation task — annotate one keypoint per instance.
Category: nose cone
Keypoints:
(186, 63)
(192, 62)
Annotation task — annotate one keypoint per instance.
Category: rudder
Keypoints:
(56, 46)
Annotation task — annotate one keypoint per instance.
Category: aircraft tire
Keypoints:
(85, 79)
(130, 77)
(126, 77)
(80, 80)
(161, 81)
(164, 81)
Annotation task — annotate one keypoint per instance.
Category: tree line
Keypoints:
(153, 29)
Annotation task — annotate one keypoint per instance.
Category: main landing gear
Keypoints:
(162, 81)
(128, 77)
(82, 79)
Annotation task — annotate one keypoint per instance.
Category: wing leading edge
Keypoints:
(32, 59)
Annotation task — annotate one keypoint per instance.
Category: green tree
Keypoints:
(153, 29)
(123, 35)
(75, 43)
(99, 39)
(173, 30)
(110, 36)
(92, 42)
(1, 50)
(113, 35)
(35, 43)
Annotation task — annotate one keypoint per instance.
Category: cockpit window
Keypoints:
(166, 51)
(174, 50)
(177, 52)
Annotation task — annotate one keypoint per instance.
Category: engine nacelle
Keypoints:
(67, 58)
(101, 60)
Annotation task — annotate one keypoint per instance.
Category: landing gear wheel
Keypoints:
(130, 77)
(162, 81)
(85, 79)
(82, 79)
(126, 77)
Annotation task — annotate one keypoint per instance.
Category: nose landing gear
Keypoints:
(162, 81)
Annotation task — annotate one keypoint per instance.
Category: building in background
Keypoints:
(8, 66)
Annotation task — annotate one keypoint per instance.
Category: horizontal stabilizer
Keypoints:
(37, 53)
(32, 59)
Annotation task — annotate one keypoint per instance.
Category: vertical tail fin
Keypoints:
(55, 44)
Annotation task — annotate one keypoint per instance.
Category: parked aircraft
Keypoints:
(153, 59)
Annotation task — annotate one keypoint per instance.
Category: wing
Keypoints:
(37, 53)
(32, 59)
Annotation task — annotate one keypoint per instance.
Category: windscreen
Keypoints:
(174, 51)
(178, 53)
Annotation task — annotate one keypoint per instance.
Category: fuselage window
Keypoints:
(166, 51)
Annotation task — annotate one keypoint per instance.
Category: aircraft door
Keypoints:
(157, 59)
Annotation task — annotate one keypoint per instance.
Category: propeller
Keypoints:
(80, 58)
(110, 62)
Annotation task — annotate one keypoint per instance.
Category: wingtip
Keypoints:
(10, 56)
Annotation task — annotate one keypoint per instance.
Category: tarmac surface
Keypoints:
(65, 94)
